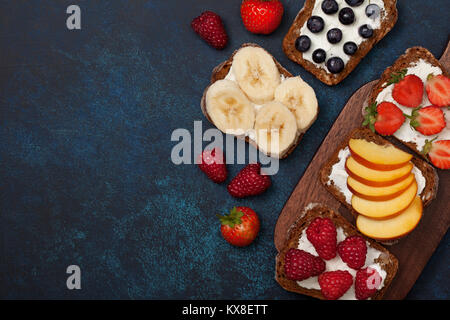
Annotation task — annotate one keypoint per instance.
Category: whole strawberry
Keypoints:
(300, 265)
(334, 284)
(353, 251)
(261, 16)
(212, 163)
(321, 232)
(240, 227)
(249, 182)
(210, 27)
(367, 283)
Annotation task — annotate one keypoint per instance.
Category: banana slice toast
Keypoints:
(254, 98)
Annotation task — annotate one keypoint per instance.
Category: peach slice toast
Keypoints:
(385, 187)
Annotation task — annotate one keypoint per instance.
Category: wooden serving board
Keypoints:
(414, 250)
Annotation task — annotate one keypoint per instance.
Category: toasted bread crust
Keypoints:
(221, 71)
(429, 173)
(387, 23)
(387, 261)
(411, 56)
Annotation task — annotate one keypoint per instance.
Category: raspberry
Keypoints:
(212, 163)
(300, 265)
(334, 284)
(321, 232)
(249, 182)
(353, 251)
(209, 26)
(367, 282)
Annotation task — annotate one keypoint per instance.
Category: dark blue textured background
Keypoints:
(85, 171)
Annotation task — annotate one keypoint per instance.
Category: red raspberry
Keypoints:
(334, 284)
(321, 232)
(212, 163)
(300, 265)
(249, 182)
(209, 26)
(353, 251)
(367, 282)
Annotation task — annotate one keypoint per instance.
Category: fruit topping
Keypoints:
(428, 121)
(334, 35)
(367, 283)
(303, 43)
(346, 16)
(319, 55)
(212, 163)
(365, 31)
(335, 65)
(373, 11)
(386, 118)
(438, 152)
(300, 265)
(350, 48)
(353, 251)
(330, 6)
(322, 234)
(354, 3)
(438, 90)
(315, 24)
(210, 28)
(334, 284)
(249, 182)
(408, 89)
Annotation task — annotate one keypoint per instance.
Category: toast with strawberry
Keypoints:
(417, 90)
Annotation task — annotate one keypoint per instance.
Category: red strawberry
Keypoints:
(353, 251)
(386, 118)
(438, 152)
(240, 227)
(210, 27)
(438, 90)
(334, 284)
(408, 91)
(249, 182)
(428, 121)
(212, 163)
(300, 265)
(261, 16)
(367, 282)
(321, 232)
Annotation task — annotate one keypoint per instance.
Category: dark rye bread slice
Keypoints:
(221, 71)
(388, 262)
(429, 173)
(411, 56)
(389, 18)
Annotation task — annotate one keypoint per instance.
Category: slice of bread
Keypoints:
(387, 261)
(428, 172)
(221, 71)
(409, 58)
(388, 20)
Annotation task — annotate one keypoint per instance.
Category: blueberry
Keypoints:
(365, 31)
(354, 3)
(335, 65)
(330, 6)
(334, 35)
(315, 24)
(346, 16)
(373, 11)
(303, 43)
(319, 56)
(350, 48)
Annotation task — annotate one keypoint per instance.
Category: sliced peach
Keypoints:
(378, 193)
(376, 177)
(393, 228)
(387, 208)
(375, 156)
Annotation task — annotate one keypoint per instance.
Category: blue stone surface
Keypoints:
(86, 177)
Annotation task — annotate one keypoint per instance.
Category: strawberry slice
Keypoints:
(386, 118)
(428, 121)
(408, 91)
(438, 90)
(438, 152)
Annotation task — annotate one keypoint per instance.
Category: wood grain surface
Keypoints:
(413, 251)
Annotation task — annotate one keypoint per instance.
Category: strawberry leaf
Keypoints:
(397, 76)
(371, 116)
(231, 219)
(427, 147)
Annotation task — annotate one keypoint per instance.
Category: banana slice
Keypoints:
(275, 128)
(301, 99)
(256, 73)
(229, 108)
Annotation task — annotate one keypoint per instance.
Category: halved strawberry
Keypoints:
(438, 90)
(438, 152)
(428, 121)
(408, 91)
(385, 118)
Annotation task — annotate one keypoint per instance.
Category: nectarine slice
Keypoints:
(379, 193)
(374, 177)
(387, 208)
(386, 157)
(392, 228)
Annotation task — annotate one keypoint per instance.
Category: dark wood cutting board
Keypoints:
(414, 250)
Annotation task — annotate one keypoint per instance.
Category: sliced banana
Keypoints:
(229, 108)
(275, 128)
(256, 73)
(301, 99)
